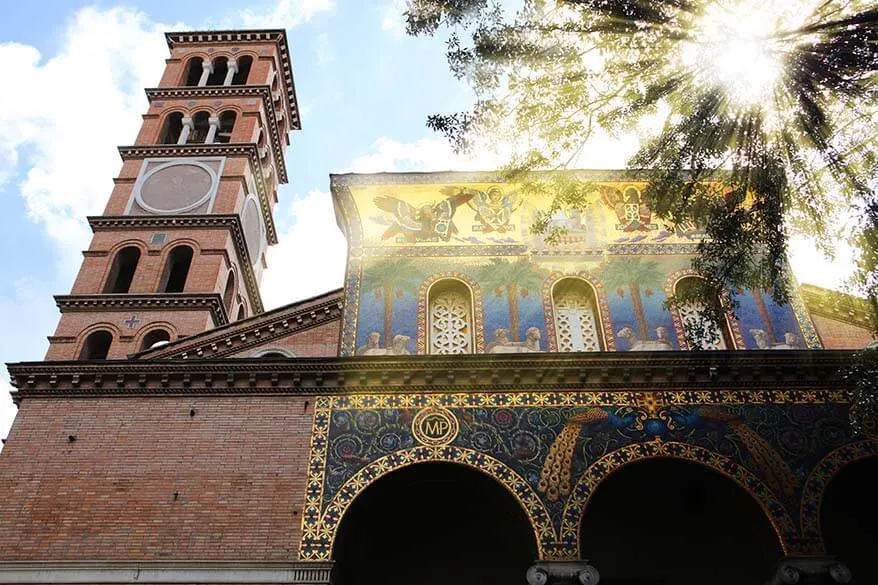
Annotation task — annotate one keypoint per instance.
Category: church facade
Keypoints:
(477, 404)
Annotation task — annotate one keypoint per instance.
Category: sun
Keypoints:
(737, 45)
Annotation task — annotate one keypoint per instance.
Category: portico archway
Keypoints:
(849, 519)
(434, 524)
(668, 521)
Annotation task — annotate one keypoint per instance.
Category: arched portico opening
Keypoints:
(667, 521)
(849, 519)
(431, 524)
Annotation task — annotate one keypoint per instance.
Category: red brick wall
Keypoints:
(319, 341)
(841, 335)
(238, 467)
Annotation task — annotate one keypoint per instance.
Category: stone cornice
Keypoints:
(278, 36)
(233, 149)
(228, 221)
(163, 572)
(805, 374)
(837, 306)
(255, 331)
(146, 302)
(227, 91)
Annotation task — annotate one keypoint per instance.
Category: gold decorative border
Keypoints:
(577, 398)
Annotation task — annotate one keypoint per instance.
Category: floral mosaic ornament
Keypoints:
(552, 449)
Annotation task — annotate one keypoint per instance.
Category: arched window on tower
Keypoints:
(122, 270)
(220, 69)
(242, 312)
(96, 346)
(450, 318)
(177, 270)
(710, 335)
(172, 128)
(193, 71)
(200, 128)
(577, 319)
(229, 293)
(226, 125)
(244, 64)
(155, 338)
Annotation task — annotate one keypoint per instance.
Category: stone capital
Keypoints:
(816, 570)
(562, 572)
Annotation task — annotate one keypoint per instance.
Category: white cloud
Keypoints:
(426, 154)
(66, 141)
(284, 13)
(310, 258)
(28, 315)
(392, 20)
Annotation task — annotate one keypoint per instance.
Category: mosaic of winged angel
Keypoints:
(428, 223)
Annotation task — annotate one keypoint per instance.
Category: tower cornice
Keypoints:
(278, 36)
(227, 91)
(213, 302)
(232, 149)
(229, 221)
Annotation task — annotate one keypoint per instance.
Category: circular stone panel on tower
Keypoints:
(176, 188)
(252, 223)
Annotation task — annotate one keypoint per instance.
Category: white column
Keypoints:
(214, 126)
(188, 126)
(206, 70)
(233, 69)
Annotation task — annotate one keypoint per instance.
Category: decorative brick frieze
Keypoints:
(146, 302)
(232, 222)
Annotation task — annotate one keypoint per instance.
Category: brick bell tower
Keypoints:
(180, 247)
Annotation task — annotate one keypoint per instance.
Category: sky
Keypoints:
(73, 92)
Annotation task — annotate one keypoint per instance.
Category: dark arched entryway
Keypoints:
(434, 524)
(673, 522)
(849, 519)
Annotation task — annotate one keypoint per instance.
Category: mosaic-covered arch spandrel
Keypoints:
(602, 468)
(317, 544)
(816, 484)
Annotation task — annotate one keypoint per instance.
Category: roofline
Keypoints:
(278, 35)
(483, 176)
(192, 342)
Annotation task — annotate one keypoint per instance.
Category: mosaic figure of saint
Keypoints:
(494, 208)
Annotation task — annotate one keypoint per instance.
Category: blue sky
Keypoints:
(364, 91)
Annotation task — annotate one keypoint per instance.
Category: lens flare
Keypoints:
(737, 45)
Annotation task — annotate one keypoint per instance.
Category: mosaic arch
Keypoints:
(538, 515)
(677, 318)
(603, 308)
(817, 482)
(615, 460)
(478, 309)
